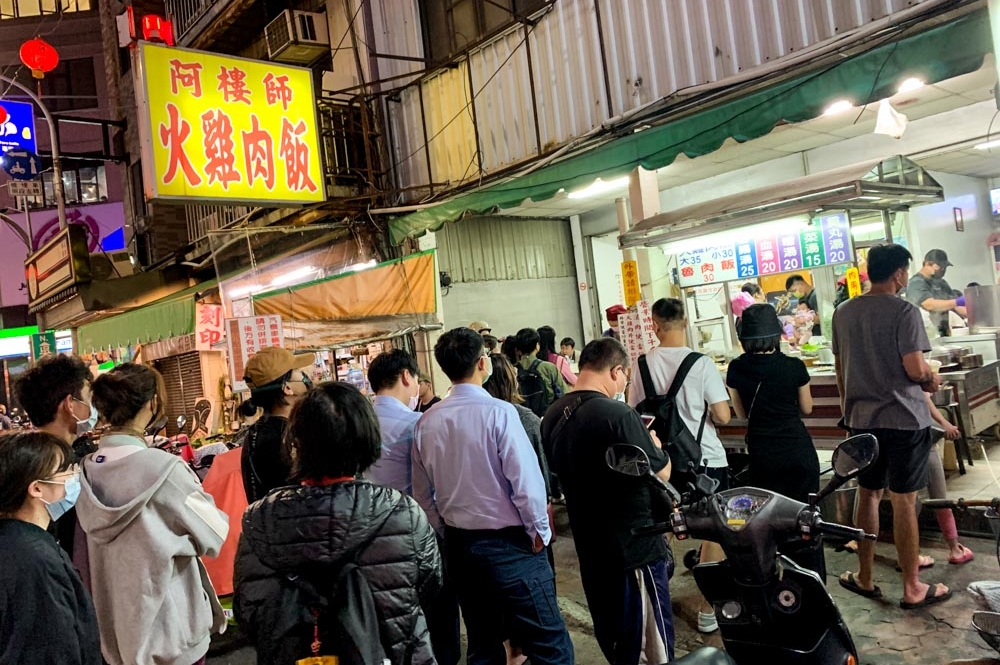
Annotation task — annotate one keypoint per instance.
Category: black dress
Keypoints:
(782, 456)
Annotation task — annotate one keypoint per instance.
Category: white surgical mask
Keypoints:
(620, 395)
(489, 369)
(414, 402)
(88, 423)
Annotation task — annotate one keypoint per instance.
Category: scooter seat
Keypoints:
(705, 656)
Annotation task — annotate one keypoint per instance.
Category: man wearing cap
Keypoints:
(612, 313)
(276, 381)
(928, 290)
(481, 327)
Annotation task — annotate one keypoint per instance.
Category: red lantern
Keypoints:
(39, 56)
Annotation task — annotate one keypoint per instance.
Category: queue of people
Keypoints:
(404, 517)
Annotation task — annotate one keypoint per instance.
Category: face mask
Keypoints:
(489, 369)
(156, 424)
(620, 396)
(57, 509)
(414, 402)
(88, 423)
(939, 273)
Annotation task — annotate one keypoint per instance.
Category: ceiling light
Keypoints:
(599, 187)
(243, 291)
(838, 106)
(865, 229)
(909, 85)
(360, 266)
(292, 276)
(995, 143)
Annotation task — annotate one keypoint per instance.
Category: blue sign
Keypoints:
(21, 164)
(17, 132)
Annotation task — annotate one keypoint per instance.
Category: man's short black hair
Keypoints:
(387, 368)
(752, 289)
(527, 339)
(603, 354)
(334, 432)
(668, 310)
(568, 341)
(791, 280)
(884, 260)
(457, 352)
(46, 384)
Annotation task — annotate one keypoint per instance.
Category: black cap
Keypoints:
(939, 257)
(759, 322)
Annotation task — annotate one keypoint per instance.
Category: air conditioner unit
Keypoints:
(297, 37)
(111, 265)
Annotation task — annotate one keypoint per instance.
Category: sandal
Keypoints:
(852, 585)
(966, 557)
(929, 598)
(925, 562)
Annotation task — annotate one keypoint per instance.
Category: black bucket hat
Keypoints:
(759, 322)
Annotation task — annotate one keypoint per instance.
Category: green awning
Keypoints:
(941, 53)
(172, 316)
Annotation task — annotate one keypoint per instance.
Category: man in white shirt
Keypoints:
(702, 389)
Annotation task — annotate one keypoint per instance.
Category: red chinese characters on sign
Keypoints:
(687, 271)
(233, 85)
(185, 75)
(172, 138)
(729, 264)
(221, 164)
(295, 152)
(258, 154)
(276, 90)
(208, 326)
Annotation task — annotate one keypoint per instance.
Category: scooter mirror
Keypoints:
(627, 459)
(854, 455)
(181, 422)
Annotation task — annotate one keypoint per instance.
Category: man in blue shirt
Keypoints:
(394, 376)
(477, 477)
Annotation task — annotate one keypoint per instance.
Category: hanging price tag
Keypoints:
(853, 282)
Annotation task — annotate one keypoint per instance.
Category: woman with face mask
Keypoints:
(147, 522)
(46, 615)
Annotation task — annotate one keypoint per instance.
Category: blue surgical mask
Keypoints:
(88, 423)
(59, 508)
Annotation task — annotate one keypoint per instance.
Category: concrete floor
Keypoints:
(884, 633)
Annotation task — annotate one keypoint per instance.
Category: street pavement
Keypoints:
(884, 633)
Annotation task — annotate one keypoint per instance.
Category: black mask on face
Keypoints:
(939, 273)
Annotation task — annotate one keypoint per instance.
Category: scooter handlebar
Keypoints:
(841, 531)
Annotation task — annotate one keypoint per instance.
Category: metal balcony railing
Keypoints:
(349, 144)
(204, 218)
(185, 13)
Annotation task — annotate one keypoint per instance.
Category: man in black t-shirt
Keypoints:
(623, 575)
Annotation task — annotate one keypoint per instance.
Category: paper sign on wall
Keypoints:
(630, 282)
(209, 326)
(246, 336)
(636, 330)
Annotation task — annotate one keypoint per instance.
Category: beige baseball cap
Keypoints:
(481, 327)
(271, 363)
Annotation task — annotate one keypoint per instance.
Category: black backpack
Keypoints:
(344, 623)
(532, 386)
(678, 442)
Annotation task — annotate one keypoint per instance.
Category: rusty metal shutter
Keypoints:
(182, 376)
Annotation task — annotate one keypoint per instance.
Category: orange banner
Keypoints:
(406, 286)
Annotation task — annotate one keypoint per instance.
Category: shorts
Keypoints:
(901, 464)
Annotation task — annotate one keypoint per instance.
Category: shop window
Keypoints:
(10, 9)
(71, 86)
(87, 184)
(451, 26)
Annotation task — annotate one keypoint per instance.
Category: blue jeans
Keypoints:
(506, 591)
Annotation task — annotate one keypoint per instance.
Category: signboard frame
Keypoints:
(239, 353)
(64, 261)
(151, 190)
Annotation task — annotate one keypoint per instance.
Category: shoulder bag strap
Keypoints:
(567, 414)
(647, 380)
(682, 372)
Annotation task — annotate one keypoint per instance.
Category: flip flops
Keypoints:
(929, 599)
(851, 585)
(966, 557)
(925, 563)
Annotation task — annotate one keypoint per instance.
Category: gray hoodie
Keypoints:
(147, 521)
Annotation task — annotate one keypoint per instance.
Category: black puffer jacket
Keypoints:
(312, 531)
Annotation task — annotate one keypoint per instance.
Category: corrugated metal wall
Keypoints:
(589, 61)
(504, 248)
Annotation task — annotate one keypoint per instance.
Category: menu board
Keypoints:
(723, 258)
(636, 330)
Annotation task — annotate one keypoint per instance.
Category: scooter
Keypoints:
(769, 609)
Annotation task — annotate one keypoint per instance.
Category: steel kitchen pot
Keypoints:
(983, 305)
(971, 361)
(943, 395)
